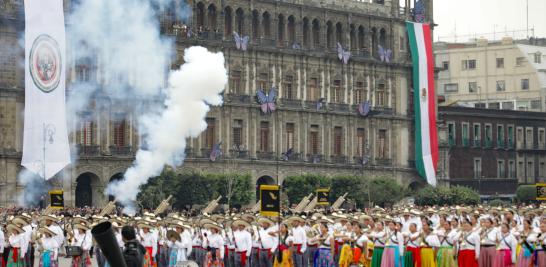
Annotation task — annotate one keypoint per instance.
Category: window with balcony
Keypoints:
(477, 135)
(291, 30)
(255, 25)
(541, 140)
(339, 34)
(360, 142)
(524, 84)
(200, 15)
(488, 136)
(337, 92)
(264, 136)
(451, 133)
(382, 144)
(359, 93)
(280, 29)
(530, 172)
(87, 132)
(472, 87)
(501, 86)
(519, 137)
(289, 136)
(465, 134)
(237, 134)
(361, 38)
(240, 21)
(329, 34)
(288, 88)
(212, 18)
(511, 169)
(338, 141)
(235, 83)
(529, 138)
(501, 171)
(469, 64)
(521, 170)
(316, 33)
(313, 92)
(228, 22)
(262, 81)
(305, 32)
(314, 141)
(477, 168)
(120, 130)
(510, 136)
(381, 96)
(500, 136)
(266, 24)
(210, 133)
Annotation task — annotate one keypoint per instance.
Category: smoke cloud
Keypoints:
(191, 91)
(35, 188)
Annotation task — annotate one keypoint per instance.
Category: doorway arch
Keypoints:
(85, 189)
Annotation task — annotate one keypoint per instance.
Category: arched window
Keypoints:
(361, 37)
(255, 25)
(305, 31)
(383, 37)
(352, 37)
(329, 34)
(291, 30)
(266, 24)
(240, 21)
(200, 15)
(316, 33)
(280, 30)
(374, 42)
(339, 34)
(212, 19)
(228, 22)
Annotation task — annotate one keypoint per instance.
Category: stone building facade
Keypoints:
(292, 47)
(492, 151)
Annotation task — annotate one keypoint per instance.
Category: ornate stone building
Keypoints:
(292, 47)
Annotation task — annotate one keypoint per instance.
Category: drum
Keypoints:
(73, 251)
(187, 264)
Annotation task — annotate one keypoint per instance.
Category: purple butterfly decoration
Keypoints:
(240, 42)
(364, 108)
(286, 156)
(189, 34)
(419, 11)
(320, 103)
(316, 159)
(267, 101)
(365, 159)
(216, 151)
(342, 54)
(385, 54)
(296, 46)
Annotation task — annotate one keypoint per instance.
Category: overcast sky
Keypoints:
(477, 17)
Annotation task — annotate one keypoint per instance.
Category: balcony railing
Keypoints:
(510, 144)
(451, 141)
(120, 150)
(315, 158)
(266, 155)
(291, 103)
(338, 159)
(500, 143)
(466, 142)
(205, 152)
(477, 143)
(384, 162)
(488, 143)
(88, 150)
(238, 154)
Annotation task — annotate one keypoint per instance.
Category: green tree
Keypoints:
(526, 193)
(385, 191)
(427, 196)
(236, 187)
(441, 195)
(297, 187)
(463, 195)
(353, 185)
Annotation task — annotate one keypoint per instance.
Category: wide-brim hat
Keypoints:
(295, 219)
(205, 221)
(78, 220)
(265, 220)
(173, 234)
(325, 220)
(45, 230)
(179, 224)
(212, 226)
(19, 221)
(144, 224)
(49, 217)
(81, 226)
(13, 227)
(248, 217)
(240, 222)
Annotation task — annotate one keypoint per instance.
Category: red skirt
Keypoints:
(416, 253)
(467, 258)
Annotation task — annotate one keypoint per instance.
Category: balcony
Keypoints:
(466, 142)
(510, 144)
(291, 103)
(451, 141)
(294, 157)
(189, 152)
(314, 158)
(205, 152)
(238, 154)
(477, 143)
(500, 143)
(488, 143)
(338, 107)
(265, 155)
(120, 150)
(383, 162)
(338, 159)
(238, 99)
(88, 150)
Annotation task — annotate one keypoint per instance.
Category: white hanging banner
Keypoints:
(45, 145)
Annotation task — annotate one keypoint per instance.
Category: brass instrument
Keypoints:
(312, 204)
(340, 200)
(211, 206)
(162, 206)
(303, 203)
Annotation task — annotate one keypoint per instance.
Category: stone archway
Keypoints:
(86, 187)
(115, 177)
(263, 180)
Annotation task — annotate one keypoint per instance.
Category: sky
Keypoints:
(481, 18)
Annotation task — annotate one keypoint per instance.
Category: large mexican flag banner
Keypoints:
(426, 134)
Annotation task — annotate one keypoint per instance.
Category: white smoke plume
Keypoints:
(192, 88)
(35, 188)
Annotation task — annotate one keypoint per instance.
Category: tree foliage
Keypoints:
(190, 189)
(526, 193)
(385, 191)
(441, 195)
(297, 187)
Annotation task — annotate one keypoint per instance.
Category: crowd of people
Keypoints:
(414, 236)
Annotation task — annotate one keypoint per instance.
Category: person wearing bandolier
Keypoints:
(133, 253)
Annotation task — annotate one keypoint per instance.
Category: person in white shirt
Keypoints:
(148, 241)
(299, 236)
(506, 248)
(469, 246)
(82, 238)
(229, 261)
(179, 245)
(379, 237)
(2, 246)
(394, 247)
(18, 244)
(267, 240)
(412, 241)
(327, 246)
(488, 238)
(215, 245)
(243, 243)
(525, 257)
(48, 247)
(448, 238)
(539, 239)
(429, 242)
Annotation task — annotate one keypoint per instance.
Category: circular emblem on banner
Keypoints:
(45, 63)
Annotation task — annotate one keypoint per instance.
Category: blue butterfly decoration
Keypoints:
(267, 101)
(365, 109)
(385, 54)
(343, 54)
(241, 42)
(419, 11)
(320, 103)
(216, 151)
(286, 156)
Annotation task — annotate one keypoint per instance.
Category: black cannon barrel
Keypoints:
(106, 239)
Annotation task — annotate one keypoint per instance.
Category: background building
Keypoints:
(492, 151)
(292, 47)
(504, 74)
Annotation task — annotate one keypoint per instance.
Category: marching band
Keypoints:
(443, 237)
